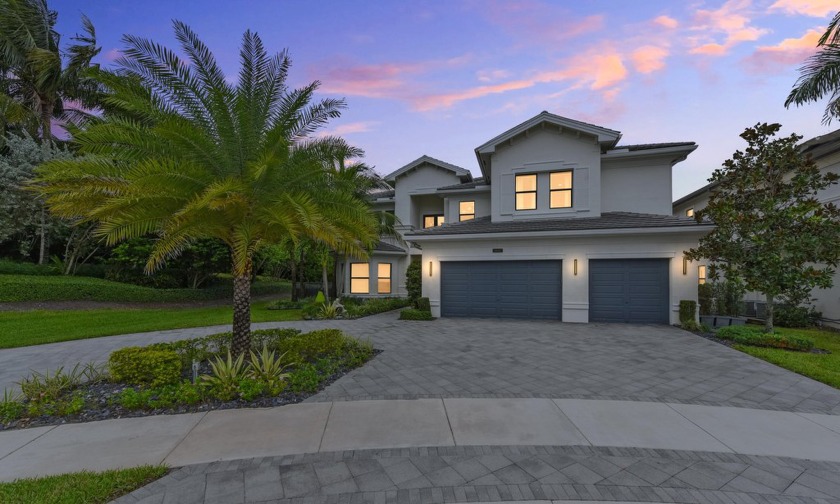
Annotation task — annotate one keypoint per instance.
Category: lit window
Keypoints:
(701, 274)
(526, 192)
(689, 212)
(360, 278)
(383, 278)
(560, 187)
(430, 221)
(466, 210)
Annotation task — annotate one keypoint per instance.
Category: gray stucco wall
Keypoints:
(636, 185)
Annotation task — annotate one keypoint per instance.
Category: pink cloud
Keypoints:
(649, 58)
(596, 70)
(385, 80)
(349, 129)
(536, 22)
(731, 22)
(666, 22)
(492, 75)
(113, 54)
(814, 8)
(790, 51)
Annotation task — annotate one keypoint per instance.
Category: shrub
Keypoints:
(145, 366)
(313, 345)
(133, 399)
(331, 310)
(305, 379)
(688, 311)
(413, 282)
(753, 336)
(414, 314)
(251, 389)
(362, 308)
(320, 298)
(269, 370)
(721, 298)
(423, 304)
(226, 376)
(785, 315)
(48, 387)
(11, 407)
(26, 268)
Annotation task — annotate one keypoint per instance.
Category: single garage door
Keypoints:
(505, 289)
(629, 290)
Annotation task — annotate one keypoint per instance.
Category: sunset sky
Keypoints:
(442, 77)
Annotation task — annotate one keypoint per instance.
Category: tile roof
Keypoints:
(607, 220)
(381, 194)
(651, 146)
(387, 247)
(466, 185)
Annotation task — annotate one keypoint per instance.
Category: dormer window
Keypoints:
(466, 211)
(526, 192)
(560, 187)
(430, 221)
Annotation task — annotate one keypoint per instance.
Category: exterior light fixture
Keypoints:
(575, 267)
(430, 268)
(685, 265)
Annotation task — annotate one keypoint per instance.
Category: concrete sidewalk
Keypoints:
(181, 440)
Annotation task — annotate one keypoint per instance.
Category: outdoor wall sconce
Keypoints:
(685, 265)
(430, 268)
(575, 267)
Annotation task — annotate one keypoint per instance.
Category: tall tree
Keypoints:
(38, 76)
(184, 154)
(820, 75)
(771, 231)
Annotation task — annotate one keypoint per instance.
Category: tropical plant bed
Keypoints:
(739, 343)
(316, 308)
(284, 366)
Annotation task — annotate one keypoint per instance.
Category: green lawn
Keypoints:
(24, 328)
(17, 288)
(821, 367)
(79, 488)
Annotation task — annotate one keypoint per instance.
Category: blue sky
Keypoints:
(442, 77)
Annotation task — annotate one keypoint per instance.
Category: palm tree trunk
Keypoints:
(242, 309)
(46, 120)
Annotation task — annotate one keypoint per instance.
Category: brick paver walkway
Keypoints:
(493, 473)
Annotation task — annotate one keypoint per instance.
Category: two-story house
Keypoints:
(564, 224)
(825, 151)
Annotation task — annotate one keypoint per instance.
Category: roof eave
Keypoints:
(700, 228)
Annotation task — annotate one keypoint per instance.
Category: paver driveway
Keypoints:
(514, 358)
(511, 358)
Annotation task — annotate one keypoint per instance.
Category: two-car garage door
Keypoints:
(620, 290)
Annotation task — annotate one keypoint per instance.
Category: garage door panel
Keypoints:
(508, 289)
(629, 290)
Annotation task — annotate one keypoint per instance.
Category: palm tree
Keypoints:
(31, 55)
(36, 84)
(183, 154)
(820, 75)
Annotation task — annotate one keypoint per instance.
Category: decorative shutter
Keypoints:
(580, 189)
(507, 194)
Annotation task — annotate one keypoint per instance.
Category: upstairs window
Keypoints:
(466, 211)
(701, 274)
(689, 212)
(560, 187)
(526, 192)
(360, 278)
(430, 221)
(383, 278)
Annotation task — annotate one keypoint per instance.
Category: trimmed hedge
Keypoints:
(15, 288)
(145, 366)
(415, 314)
(753, 336)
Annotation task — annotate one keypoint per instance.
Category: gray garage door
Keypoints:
(629, 290)
(506, 289)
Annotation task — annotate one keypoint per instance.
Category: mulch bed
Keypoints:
(105, 396)
(730, 343)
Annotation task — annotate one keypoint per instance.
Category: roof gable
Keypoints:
(462, 173)
(605, 136)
